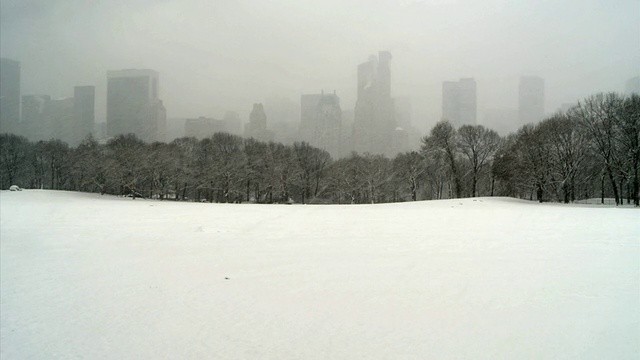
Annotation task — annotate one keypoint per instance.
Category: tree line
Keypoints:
(591, 150)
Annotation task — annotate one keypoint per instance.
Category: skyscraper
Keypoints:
(9, 95)
(35, 123)
(257, 126)
(84, 100)
(321, 122)
(459, 102)
(530, 99)
(133, 105)
(374, 123)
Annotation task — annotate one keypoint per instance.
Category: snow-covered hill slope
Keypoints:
(100, 277)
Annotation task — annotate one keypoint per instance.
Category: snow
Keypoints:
(103, 277)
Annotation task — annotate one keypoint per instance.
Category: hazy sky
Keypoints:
(216, 55)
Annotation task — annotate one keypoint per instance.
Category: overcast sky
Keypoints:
(216, 55)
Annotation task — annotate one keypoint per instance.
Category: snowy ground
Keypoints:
(100, 277)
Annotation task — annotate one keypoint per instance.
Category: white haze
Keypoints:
(225, 55)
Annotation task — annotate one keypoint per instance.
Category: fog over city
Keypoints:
(217, 56)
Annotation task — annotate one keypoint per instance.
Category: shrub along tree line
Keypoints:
(591, 150)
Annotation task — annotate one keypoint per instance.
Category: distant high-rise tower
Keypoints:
(374, 123)
(35, 123)
(9, 96)
(321, 122)
(530, 100)
(133, 105)
(257, 126)
(459, 102)
(84, 101)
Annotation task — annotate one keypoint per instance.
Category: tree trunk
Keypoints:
(539, 192)
(493, 181)
(602, 189)
(474, 184)
(613, 185)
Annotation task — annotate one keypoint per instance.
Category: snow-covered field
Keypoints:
(85, 276)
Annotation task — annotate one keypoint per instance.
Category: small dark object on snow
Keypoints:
(226, 278)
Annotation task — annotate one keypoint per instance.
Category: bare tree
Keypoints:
(410, 168)
(567, 146)
(443, 141)
(629, 143)
(478, 144)
(126, 165)
(14, 152)
(598, 116)
(184, 168)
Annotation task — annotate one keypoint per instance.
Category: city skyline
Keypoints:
(65, 43)
(287, 116)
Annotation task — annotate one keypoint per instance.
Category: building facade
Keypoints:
(257, 126)
(321, 122)
(9, 96)
(459, 102)
(374, 123)
(530, 100)
(35, 123)
(84, 109)
(133, 104)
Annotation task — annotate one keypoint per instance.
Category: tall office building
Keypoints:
(257, 126)
(133, 104)
(9, 96)
(66, 119)
(321, 122)
(35, 123)
(44, 118)
(84, 101)
(459, 102)
(374, 123)
(530, 100)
